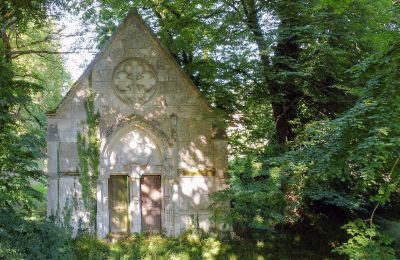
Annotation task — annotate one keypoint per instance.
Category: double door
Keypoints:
(119, 200)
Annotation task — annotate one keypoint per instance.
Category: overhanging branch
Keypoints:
(16, 54)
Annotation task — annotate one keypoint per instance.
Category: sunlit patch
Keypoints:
(196, 198)
(81, 93)
(258, 219)
(156, 195)
(150, 220)
(212, 248)
(145, 189)
(203, 139)
(199, 154)
(134, 147)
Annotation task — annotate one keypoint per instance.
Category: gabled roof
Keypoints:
(135, 15)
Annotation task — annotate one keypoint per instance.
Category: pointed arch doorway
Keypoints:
(135, 187)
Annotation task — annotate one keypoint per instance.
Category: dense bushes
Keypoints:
(190, 245)
(28, 239)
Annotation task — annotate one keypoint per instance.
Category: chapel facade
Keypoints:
(134, 146)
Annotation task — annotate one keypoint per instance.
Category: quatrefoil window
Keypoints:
(134, 81)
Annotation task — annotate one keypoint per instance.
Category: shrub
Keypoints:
(29, 239)
(190, 245)
(89, 247)
(366, 242)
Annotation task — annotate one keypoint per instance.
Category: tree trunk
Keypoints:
(284, 97)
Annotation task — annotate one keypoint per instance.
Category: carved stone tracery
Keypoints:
(134, 81)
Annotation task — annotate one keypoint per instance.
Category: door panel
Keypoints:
(118, 201)
(150, 187)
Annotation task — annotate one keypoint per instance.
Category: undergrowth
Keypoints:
(190, 245)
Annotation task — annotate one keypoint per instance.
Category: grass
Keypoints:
(40, 208)
(40, 187)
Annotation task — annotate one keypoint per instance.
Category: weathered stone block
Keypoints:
(68, 160)
(162, 64)
(52, 132)
(172, 75)
(52, 197)
(183, 126)
(67, 189)
(163, 75)
(67, 129)
(166, 128)
(52, 151)
(196, 192)
(176, 99)
(145, 52)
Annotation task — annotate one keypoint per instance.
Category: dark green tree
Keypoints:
(22, 126)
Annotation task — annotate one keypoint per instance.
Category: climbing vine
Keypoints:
(89, 158)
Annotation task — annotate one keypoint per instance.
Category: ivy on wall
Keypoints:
(89, 159)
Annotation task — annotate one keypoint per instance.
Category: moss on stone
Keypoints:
(197, 172)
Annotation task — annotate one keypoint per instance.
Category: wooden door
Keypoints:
(118, 202)
(150, 187)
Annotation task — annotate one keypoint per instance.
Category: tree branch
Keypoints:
(16, 54)
(32, 115)
(371, 219)
(6, 39)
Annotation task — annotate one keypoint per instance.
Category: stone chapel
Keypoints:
(134, 146)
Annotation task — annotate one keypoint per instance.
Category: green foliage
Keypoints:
(40, 207)
(89, 159)
(257, 204)
(19, 149)
(28, 239)
(148, 247)
(46, 70)
(90, 247)
(313, 87)
(346, 166)
(365, 243)
(190, 245)
(24, 97)
(391, 229)
(349, 164)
